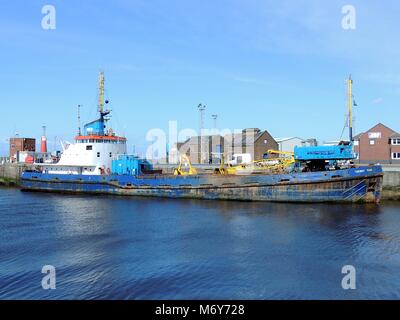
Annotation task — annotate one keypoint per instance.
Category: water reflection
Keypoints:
(149, 248)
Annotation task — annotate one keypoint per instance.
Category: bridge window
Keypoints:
(89, 147)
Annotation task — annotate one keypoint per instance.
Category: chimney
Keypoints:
(43, 143)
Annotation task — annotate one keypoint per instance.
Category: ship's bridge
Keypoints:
(100, 139)
(95, 127)
(96, 132)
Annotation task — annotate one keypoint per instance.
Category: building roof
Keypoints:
(246, 137)
(21, 138)
(286, 139)
(358, 136)
(197, 139)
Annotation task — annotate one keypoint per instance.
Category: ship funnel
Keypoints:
(43, 143)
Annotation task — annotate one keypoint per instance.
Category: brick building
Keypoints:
(379, 144)
(201, 149)
(19, 145)
(210, 148)
(253, 141)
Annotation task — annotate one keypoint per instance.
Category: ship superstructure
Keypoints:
(93, 151)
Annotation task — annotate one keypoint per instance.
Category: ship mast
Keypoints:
(350, 106)
(101, 92)
(102, 112)
(79, 119)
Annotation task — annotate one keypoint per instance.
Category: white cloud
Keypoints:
(252, 80)
(377, 101)
(384, 78)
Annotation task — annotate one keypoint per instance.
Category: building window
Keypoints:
(265, 141)
(89, 147)
(356, 142)
(98, 154)
(395, 141)
(395, 155)
(371, 142)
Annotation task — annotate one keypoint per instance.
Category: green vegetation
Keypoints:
(8, 182)
(391, 193)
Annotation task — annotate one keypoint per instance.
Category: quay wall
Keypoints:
(10, 174)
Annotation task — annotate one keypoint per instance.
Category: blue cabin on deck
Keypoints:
(339, 152)
(130, 165)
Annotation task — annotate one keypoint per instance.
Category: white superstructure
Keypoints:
(93, 152)
(89, 155)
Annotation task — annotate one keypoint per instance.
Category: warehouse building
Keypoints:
(210, 149)
(252, 141)
(205, 149)
(288, 144)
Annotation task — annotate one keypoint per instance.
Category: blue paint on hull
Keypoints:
(355, 184)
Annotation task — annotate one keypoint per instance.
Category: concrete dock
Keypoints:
(10, 174)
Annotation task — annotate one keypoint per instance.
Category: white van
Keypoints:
(240, 158)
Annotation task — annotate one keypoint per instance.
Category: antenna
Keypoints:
(215, 116)
(79, 119)
(350, 103)
(201, 109)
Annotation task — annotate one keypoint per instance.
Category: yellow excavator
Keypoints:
(272, 165)
(184, 161)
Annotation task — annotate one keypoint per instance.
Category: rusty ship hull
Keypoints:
(360, 184)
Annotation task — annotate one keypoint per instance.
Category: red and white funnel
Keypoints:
(43, 143)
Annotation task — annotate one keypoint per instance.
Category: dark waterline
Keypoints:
(146, 248)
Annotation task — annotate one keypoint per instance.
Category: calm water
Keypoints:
(135, 248)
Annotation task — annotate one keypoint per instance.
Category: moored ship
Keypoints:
(98, 163)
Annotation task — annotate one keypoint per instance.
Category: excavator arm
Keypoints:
(184, 160)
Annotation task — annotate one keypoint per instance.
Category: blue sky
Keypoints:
(276, 65)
